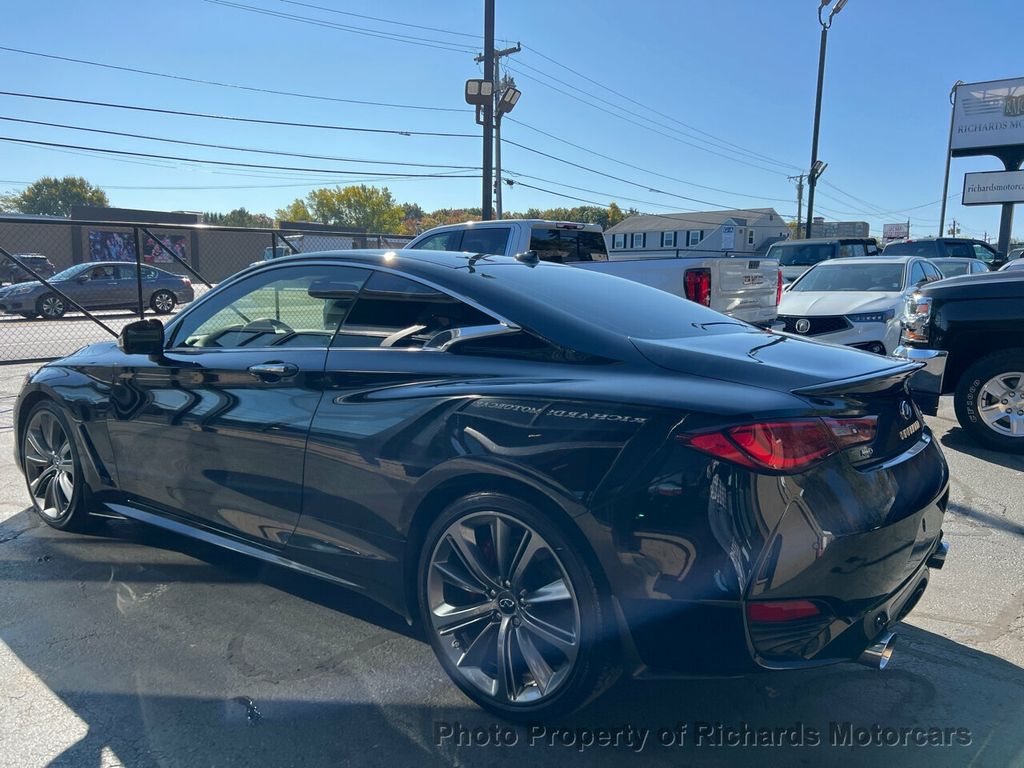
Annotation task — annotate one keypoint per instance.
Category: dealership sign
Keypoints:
(896, 231)
(988, 115)
(993, 187)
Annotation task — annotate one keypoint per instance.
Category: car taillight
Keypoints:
(697, 284)
(784, 446)
(186, 281)
(916, 317)
(781, 610)
(778, 289)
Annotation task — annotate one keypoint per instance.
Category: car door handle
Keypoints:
(273, 369)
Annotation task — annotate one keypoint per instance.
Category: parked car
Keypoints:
(97, 285)
(797, 256)
(1015, 253)
(12, 273)
(857, 302)
(741, 287)
(969, 331)
(945, 247)
(561, 474)
(1015, 264)
(954, 267)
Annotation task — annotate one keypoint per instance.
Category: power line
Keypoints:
(444, 45)
(230, 147)
(386, 21)
(655, 111)
(256, 120)
(518, 73)
(231, 163)
(733, 150)
(639, 168)
(220, 84)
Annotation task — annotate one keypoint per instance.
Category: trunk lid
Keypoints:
(745, 288)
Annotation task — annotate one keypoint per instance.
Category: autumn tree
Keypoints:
(360, 207)
(50, 196)
(239, 217)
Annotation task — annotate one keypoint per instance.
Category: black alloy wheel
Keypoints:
(513, 613)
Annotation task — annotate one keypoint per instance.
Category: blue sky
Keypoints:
(722, 75)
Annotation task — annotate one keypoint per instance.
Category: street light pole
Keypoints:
(949, 154)
(488, 111)
(812, 179)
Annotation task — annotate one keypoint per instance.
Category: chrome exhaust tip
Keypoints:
(879, 653)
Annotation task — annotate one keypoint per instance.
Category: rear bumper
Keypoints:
(926, 384)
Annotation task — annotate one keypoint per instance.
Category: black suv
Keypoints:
(947, 247)
(969, 333)
(12, 273)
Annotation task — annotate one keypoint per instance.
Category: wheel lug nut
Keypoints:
(491, 593)
(508, 583)
(516, 622)
(1005, 402)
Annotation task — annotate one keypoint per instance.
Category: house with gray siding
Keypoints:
(738, 231)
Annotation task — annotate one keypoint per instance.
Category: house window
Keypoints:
(694, 236)
(639, 240)
(668, 239)
(618, 241)
(750, 236)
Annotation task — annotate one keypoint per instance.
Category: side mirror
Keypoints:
(143, 337)
(82, 279)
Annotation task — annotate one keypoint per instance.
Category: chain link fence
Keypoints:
(65, 283)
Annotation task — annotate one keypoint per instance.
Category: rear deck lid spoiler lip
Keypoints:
(867, 382)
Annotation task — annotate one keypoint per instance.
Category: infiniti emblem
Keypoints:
(507, 604)
(803, 325)
(906, 411)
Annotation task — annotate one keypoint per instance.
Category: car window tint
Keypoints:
(836, 276)
(291, 306)
(917, 273)
(102, 273)
(978, 267)
(926, 248)
(932, 271)
(955, 268)
(801, 254)
(548, 247)
(983, 253)
(442, 241)
(486, 240)
(389, 304)
(959, 250)
(591, 246)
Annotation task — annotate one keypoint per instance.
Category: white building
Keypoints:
(741, 231)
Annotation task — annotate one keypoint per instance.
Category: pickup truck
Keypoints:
(745, 288)
(969, 333)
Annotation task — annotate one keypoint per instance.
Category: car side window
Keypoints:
(101, 273)
(983, 253)
(848, 250)
(931, 271)
(442, 241)
(959, 250)
(394, 311)
(486, 240)
(977, 267)
(917, 275)
(295, 306)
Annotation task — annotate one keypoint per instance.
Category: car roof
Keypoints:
(869, 260)
(825, 240)
(954, 258)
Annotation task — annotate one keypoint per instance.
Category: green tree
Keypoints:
(370, 208)
(50, 196)
(294, 211)
(239, 217)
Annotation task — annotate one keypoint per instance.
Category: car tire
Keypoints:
(53, 469)
(989, 401)
(162, 302)
(51, 306)
(547, 615)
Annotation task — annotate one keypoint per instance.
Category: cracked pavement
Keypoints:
(140, 649)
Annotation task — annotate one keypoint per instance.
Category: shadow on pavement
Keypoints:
(958, 440)
(174, 653)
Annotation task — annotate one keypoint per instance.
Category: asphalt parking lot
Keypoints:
(134, 648)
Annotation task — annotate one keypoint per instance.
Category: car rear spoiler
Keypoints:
(877, 381)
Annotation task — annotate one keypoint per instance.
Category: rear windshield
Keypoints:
(885, 278)
(608, 302)
(564, 246)
(801, 254)
(952, 268)
(910, 249)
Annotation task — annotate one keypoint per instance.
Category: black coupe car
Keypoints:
(560, 474)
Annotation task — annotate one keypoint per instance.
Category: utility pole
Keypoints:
(500, 86)
(799, 200)
(488, 110)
